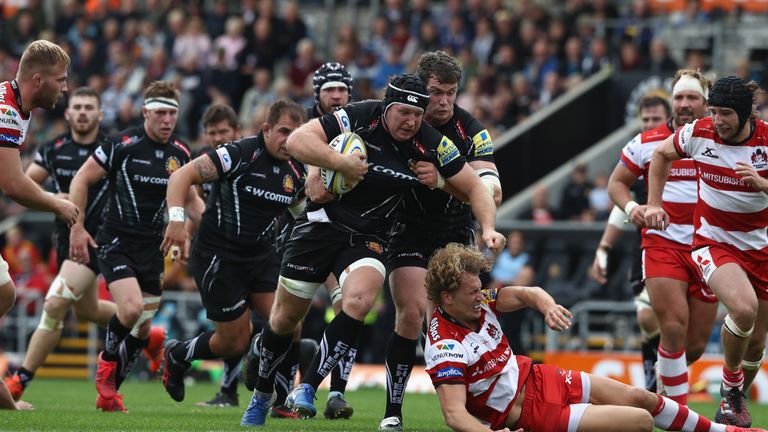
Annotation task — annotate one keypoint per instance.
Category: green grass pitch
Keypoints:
(68, 405)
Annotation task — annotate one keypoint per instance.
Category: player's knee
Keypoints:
(283, 323)
(56, 307)
(7, 297)
(410, 316)
(130, 312)
(739, 325)
(694, 351)
(642, 419)
(358, 306)
(637, 397)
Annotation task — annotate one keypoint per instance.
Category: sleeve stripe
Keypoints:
(676, 143)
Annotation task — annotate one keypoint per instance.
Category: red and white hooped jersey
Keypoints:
(13, 125)
(729, 210)
(480, 360)
(679, 195)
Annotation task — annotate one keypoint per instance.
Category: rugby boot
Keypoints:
(733, 408)
(106, 373)
(14, 385)
(337, 407)
(256, 413)
(221, 400)
(303, 396)
(154, 349)
(111, 405)
(391, 424)
(173, 372)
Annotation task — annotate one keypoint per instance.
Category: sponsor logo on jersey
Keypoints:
(268, 195)
(9, 121)
(493, 331)
(447, 355)
(710, 153)
(159, 154)
(276, 170)
(492, 363)
(343, 118)
(446, 151)
(10, 138)
(483, 143)
(433, 329)
(119, 267)
(64, 157)
(233, 307)
(172, 164)
(225, 158)
(141, 161)
(149, 179)
(489, 295)
(759, 158)
(419, 146)
(3, 89)
(682, 172)
(445, 346)
(392, 173)
(449, 372)
(100, 155)
(8, 112)
(375, 246)
(82, 152)
(288, 184)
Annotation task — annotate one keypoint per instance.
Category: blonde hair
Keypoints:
(164, 89)
(447, 265)
(40, 56)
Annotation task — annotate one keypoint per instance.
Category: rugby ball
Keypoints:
(346, 143)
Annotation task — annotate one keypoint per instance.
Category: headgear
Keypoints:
(331, 74)
(407, 89)
(731, 92)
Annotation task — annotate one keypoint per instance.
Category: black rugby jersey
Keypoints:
(62, 157)
(370, 206)
(137, 173)
(438, 210)
(254, 189)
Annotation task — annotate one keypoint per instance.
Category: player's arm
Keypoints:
(37, 173)
(180, 191)
(89, 174)
(26, 192)
(489, 175)
(512, 298)
(309, 144)
(483, 207)
(618, 188)
(661, 163)
(612, 233)
(453, 403)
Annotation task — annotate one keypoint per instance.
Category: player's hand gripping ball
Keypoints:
(346, 143)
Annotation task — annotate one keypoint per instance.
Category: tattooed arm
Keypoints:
(201, 170)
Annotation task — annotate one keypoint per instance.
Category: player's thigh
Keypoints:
(611, 418)
(732, 287)
(606, 391)
(78, 277)
(669, 299)
(407, 287)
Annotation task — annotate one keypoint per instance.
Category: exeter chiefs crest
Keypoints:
(172, 164)
(288, 184)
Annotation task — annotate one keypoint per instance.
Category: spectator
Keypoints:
(293, 28)
(513, 265)
(599, 201)
(16, 247)
(660, 63)
(216, 19)
(540, 212)
(302, 67)
(575, 198)
(597, 58)
(259, 95)
(194, 43)
(483, 42)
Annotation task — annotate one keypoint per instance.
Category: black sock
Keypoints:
(25, 376)
(338, 383)
(229, 378)
(649, 350)
(198, 348)
(340, 337)
(401, 354)
(274, 347)
(116, 333)
(286, 374)
(128, 353)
